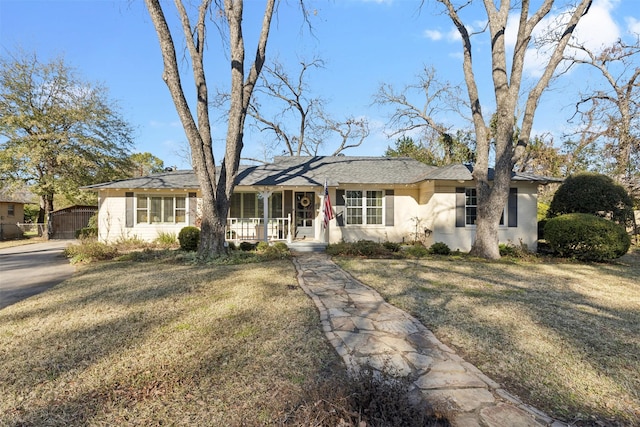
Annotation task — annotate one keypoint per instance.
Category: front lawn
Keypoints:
(563, 336)
(155, 343)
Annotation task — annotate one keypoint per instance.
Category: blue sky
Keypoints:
(362, 42)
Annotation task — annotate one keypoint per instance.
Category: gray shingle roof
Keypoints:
(336, 170)
(312, 171)
(185, 179)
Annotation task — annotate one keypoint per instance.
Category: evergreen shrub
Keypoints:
(189, 238)
(440, 248)
(586, 237)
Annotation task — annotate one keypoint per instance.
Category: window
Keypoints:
(161, 209)
(470, 206)
(251, 205)
(467, 208)
(11, 210)
(364, 207)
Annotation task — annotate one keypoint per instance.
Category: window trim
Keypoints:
(364, 207)
(162, 196)
(508, 219)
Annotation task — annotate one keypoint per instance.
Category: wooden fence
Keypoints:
(64, 223)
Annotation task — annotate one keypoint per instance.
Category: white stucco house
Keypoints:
(373, 198)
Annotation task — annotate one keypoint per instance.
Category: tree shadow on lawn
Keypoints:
(602, 337)
(110, 344)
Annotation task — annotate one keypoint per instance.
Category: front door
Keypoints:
(305, 214)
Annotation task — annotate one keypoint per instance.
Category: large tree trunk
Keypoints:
(216, 184)
(492, 196)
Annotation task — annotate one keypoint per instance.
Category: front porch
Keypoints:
(242, 229)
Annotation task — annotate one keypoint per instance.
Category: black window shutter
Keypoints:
(193, 208)
(128, 221)
(340, 208)
(512, 206)
(460, 207)
(389, 208)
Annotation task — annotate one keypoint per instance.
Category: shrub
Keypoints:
(276, 251)
(262, 246)
(440, 248)
(359, 248)
(512, 250)
(87, 233)
(586, 237)
(392, 246)
(417, 251)
(90, 250)
(189, 238)
(593, 194)
(166, 238)
(247, 246)
(366, 398)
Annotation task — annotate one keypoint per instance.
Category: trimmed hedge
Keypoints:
(189, 238)
(586, 237)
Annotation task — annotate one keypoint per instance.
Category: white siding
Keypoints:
(443, 212)
(112, 218)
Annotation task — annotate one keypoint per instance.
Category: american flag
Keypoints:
(326, 207)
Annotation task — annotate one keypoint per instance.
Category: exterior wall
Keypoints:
(406, 210)
(442, 217)
(112, 217)
(8, 223)
(426, 211)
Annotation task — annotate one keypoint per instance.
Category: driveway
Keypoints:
(30, 269)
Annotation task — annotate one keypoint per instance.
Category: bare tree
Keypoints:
(507, 76)
(216, 184)
(612, 115)
(297, 119)
(408, 117)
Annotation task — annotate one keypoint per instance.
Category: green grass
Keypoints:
(563, 336)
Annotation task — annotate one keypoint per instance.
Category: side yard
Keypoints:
(563, 336)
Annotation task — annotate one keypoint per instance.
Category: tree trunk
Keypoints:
(46, 207)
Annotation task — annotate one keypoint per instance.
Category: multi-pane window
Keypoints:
(353, 200)
(161, 209)
(251, 205)
(471, 206)
(364, 207)
(374, 207)
(11, 210)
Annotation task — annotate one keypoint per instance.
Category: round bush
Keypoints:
(594, 194)
(440, 248)
(247, 246)
(189, 238)
(586, 237)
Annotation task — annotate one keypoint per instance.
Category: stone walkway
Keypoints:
(365, 330)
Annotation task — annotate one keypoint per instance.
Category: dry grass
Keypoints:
(19, 242)
(563, 336)
(154, 343)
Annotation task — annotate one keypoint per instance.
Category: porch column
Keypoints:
(265, 204)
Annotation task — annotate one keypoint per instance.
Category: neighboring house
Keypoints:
(11, 213)
(373, 198)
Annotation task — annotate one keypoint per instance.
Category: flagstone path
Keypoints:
(365, 330)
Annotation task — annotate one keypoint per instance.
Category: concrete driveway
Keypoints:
(30, 269)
